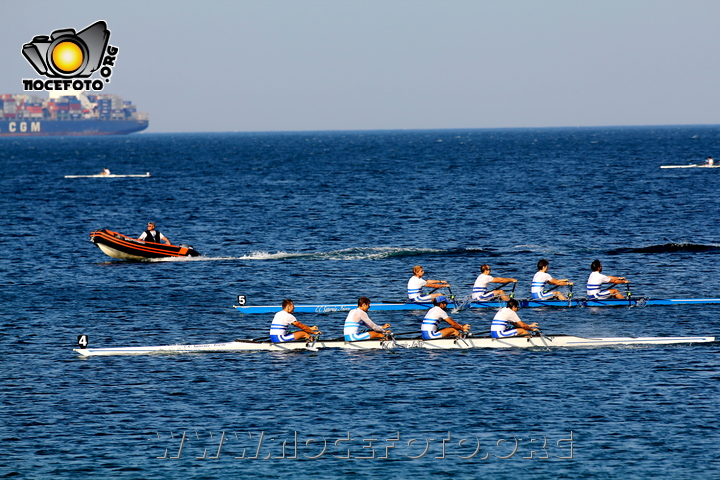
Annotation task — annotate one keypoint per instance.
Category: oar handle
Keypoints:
(472, 334)
(407, 333)
(259, 339)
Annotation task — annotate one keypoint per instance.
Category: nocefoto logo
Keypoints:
(69, 57)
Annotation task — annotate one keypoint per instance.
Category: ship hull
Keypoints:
(40, 127)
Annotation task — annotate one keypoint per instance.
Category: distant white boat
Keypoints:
(692, 165)
(109, 175)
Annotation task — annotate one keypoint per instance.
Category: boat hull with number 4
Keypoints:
(470, 342)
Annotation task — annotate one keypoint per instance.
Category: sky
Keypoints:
(303, 65)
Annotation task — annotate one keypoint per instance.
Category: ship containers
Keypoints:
(34, 110)
(9, 107)
(104, 107)
(74, 104)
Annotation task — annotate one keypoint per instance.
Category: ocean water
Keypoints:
(328, 217)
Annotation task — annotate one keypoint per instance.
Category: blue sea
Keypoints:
(327, 217)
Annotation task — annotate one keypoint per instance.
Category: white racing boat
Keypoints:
(692, 165)
(109, 175)
(535, 341)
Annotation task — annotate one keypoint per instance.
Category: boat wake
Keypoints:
(369, 253)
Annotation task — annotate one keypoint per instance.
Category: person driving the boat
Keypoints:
(432, 318)
(596, 280)
(282, 321)
(358, 321)
(480, 289)
(541, 278)
(416, 284)
(153, 235)
(506, 322)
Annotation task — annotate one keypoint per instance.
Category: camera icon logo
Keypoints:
(67, 54)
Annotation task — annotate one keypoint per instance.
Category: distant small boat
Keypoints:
(109, 175)
(692, 165)
(120, 246)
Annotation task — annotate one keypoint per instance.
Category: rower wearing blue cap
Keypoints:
(432, 318)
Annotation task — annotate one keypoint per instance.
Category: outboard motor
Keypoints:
(191, 251)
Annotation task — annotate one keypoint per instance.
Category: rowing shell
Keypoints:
(690, 166)
(440, 344)
(111, 175)
(524, 303)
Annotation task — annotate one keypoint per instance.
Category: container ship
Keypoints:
(76, 114)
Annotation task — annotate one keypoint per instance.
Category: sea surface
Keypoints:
(327, 217)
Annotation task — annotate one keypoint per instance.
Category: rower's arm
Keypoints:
(504, 280)
(311, 330)
(561, 282)
(456, 325)
(374, 326)
(436, 284)
(618, 280)
(521, 324)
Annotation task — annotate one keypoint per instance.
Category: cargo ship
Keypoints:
(69, 114)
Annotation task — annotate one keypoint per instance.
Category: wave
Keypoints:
(671, 247)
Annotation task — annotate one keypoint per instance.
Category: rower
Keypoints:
(709, 162)
(416, 284)
(105, 171)
(282, 321)
(358, 320)
(541, 278)
(480, 289)
(432, 318)
(596, 280)
(506, 322)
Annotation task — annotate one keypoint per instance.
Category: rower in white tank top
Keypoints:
(596, 280)
(507, 323)
(416, 284)
(430, 324)
(541, 278)
(480, 289)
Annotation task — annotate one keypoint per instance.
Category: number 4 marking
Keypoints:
(83, 341)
